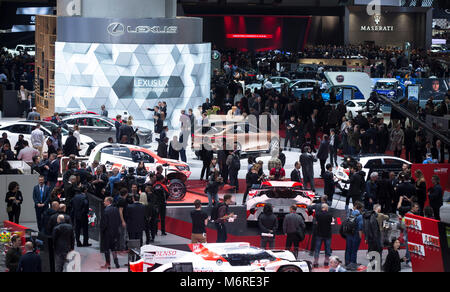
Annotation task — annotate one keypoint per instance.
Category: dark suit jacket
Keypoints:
(70, 147)
(296, 175)
(162, 150)
(63, 238)
(80, 207)
(307, 161)
(30, 263)
(37, 196)
(53, 171)
(329, 186)
(324, 149)
(109, 228)
(135, 214)
(435, 154)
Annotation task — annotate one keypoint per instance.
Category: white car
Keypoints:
(119, 155)
(217, 257)
(14, 129)
(355, 106)
(21, 49)
(370, 164)
(281, 195)
(274, 82)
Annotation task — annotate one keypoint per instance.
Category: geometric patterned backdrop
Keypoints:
(131, 78)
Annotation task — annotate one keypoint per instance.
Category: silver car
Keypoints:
(101, 128)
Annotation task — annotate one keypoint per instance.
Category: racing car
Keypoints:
(217, 257)
(119, 155)
(281, 195)
(370, 163)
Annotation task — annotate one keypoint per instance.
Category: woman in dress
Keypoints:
(13, 202)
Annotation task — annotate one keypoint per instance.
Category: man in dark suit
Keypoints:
(296, 174)
(30, 262)
(80, 210)
(71, 145)
(126, 133)
(159, 124)
(329, 184)
(41, 198)
(307, 161)
(109, 229)
(438, 152)
(53, 171)
(162, 148)
(63, 241)
(135, 219)
(117, 125)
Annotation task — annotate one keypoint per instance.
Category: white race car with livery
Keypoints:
(217, 257)
(281, 195)
(119, 155)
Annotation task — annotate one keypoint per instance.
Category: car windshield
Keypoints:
(247, 257)
(385, 85)
(51, 127)
(282, 193)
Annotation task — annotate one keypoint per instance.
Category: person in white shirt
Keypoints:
(27, 153)
(37, 138)
(76, 134)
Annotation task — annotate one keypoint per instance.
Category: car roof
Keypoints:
(366, 157)
(285, 184)
(85, 116)
(305, 80)
(387, 80)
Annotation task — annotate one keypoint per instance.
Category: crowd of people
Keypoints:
(16, 70)
(319, 129)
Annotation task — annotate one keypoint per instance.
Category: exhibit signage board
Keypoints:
(424, 244)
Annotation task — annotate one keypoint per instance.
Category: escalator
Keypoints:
(414, 117)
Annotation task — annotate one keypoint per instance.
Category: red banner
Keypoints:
(424, 244)
(441, 170)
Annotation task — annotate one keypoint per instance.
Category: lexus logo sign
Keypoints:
(116, 29)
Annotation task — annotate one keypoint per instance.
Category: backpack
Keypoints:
(236, 163)
(349, 226)
(215, 211)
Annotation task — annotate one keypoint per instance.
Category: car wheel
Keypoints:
(177, 190)
(291, 269)
(274, 145)
(137, 141)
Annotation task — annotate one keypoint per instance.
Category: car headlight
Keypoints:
(392, 93)
(183, 167)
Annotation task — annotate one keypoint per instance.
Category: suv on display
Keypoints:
(250, 139)
(129, 156)
(390, 88)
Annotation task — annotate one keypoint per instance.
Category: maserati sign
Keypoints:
(116, 29)
(377, 27)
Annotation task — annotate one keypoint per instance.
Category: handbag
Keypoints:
(9, 209)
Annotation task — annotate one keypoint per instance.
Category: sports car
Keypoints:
(118, 155)
(370, 164)
(281, 195)
(217, 257)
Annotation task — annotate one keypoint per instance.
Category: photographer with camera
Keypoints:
(212, 188)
